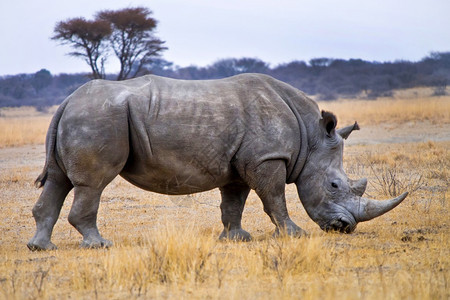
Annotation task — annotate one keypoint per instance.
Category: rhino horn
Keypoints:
(345, 132)
(358, 187)
(369, 209)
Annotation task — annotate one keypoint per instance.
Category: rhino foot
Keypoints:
(95, 244)
(235, 235)
(36, 246)
(290, 229)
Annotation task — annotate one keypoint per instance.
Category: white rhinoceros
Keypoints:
(180, 137)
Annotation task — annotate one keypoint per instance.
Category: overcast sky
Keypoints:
(198, 32)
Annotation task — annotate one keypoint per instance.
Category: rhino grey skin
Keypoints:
(180, 137)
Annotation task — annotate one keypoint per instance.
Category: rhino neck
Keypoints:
(303, 153)
(303, 108)
(307, 112)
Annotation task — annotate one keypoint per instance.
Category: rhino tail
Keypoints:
(40, 181)
(50, 144)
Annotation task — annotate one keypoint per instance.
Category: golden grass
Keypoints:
(17, 132)
(23, 126)
(391, 110)
(167, 247)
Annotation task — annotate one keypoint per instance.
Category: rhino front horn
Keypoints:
(369, 209)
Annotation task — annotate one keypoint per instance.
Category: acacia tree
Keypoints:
(128, 32)
(41, 79)
(88, 38)
(132, 38)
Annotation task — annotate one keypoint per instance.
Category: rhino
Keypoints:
(178, 137)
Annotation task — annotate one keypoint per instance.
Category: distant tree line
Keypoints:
(329, 78)
(325, 78)
(41, 89)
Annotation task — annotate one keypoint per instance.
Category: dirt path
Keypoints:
(404, 133)
(24, 156)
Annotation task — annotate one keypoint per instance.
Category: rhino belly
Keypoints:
(171, 176)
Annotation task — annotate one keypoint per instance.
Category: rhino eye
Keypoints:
(335, 185)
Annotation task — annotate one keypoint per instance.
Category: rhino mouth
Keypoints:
(339, 225)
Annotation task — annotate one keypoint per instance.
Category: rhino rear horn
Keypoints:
(358, 187)
(345, 132)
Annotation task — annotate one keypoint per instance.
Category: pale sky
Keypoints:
(198, 32)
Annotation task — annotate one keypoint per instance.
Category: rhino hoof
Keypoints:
(293, 232)
(33, 246)
(96, 244)
(235, 235)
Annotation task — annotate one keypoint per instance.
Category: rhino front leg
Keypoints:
(269, 182)
(46, 212)
(83, 216)
(232, 206)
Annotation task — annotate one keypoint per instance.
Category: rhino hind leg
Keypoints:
(46, 211)
(83, 216)
(269, 181)
(90, 181)
(232, 206)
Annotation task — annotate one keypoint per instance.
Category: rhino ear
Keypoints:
(345, 132)
(328, 122)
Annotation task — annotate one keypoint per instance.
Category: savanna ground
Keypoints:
(167, 247)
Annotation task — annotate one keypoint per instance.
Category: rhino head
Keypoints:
(330, 198)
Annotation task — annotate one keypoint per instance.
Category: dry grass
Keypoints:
(23, 126)
(435, 110)
(166, 247)
(17, 132)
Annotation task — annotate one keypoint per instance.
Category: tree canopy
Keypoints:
(88, 38)
(128, 32)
